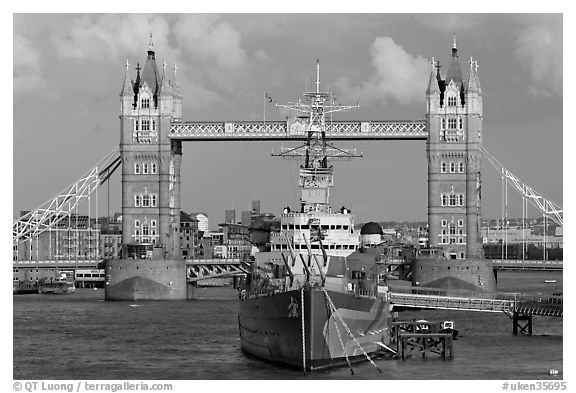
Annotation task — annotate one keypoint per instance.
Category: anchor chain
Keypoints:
(303, 331)
(340, 337)
(333, 308)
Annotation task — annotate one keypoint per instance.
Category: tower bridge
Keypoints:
(152, 129)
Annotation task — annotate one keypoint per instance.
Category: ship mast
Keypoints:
(316, 177)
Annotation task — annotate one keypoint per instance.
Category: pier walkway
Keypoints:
(509, 303)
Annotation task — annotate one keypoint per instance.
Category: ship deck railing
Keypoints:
(255, 293)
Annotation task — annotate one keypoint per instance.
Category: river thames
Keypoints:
(80, 336)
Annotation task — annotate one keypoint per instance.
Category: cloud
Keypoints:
(539, 50)
(206, 48)
(262, 56)
(206, 39)
(449, 22)
(106, 37)
(398, 75)
(27, 67)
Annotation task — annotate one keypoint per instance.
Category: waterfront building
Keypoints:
(74, 237)
(220, 252)
(246, 217)
(519, 236)
(188, 235)
(217, 238)
(110, 236)
(203, 223)
(256, 208)
(205, 247)
(110, 243)
(236, 239)
(230, 216)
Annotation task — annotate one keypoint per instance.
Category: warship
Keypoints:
(314, 300)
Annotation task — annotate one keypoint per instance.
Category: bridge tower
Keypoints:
(150, 162)
(454, 117)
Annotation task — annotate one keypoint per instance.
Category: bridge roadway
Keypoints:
(293, 130)
(60, 263)
(196, 269)
(448, 299)
(500, 264)
(518, 264)
(202, 269)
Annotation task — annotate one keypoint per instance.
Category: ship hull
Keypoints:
(271, 328)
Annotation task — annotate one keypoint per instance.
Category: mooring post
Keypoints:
(517, 327)
(424, 339)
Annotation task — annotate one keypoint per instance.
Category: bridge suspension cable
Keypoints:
(53, 211)
(548, 207)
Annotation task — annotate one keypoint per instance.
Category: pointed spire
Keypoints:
(454, 72)
(136, 85)
(473, 85)
(175, 85)
(164, 86)
(150, 73)
(151, 54)
(433, 82)
(126, 86)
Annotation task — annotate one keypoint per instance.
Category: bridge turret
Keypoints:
(453, 162)
(150, 165)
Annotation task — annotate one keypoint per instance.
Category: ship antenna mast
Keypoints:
(317, 76)
(310, 122)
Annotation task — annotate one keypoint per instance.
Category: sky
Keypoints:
(68, 71)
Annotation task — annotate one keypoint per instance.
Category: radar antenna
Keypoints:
(316, 176)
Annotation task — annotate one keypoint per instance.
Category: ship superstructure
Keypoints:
(315, 217)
